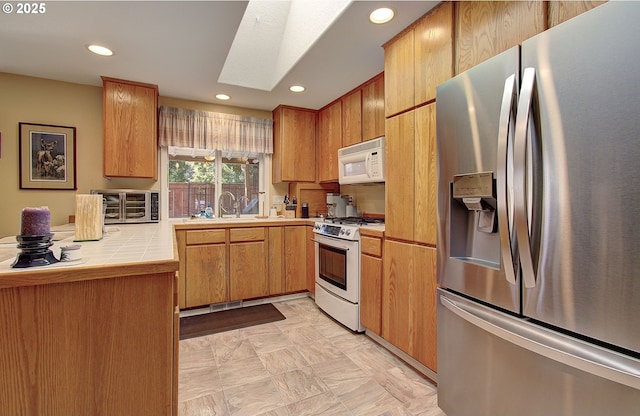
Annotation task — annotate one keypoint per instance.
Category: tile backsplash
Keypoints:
(367, 198)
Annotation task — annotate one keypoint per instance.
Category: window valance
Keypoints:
(215, 131)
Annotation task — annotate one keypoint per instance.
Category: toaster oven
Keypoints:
(129, 205)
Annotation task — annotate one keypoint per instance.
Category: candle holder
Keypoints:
(34, 251)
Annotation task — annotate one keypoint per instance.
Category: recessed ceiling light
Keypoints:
(381, 15)
(223, 97)
(100, 50)
(296, 88)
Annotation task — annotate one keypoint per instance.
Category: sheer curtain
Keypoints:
(230, 133)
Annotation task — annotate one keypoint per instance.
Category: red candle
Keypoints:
(35, 221)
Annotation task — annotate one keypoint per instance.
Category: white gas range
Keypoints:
(337, 247)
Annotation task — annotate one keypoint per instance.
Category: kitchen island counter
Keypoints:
(128, 249)
(98, 336)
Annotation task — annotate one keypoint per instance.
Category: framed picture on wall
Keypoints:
(47, 156)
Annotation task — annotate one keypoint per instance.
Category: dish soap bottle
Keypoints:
(208, 212)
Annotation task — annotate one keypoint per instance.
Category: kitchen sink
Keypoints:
(223, 219)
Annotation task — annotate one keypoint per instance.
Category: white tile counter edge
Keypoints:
(126, 243)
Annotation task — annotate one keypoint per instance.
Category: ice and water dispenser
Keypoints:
(474, 222)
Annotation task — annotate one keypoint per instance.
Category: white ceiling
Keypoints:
(182, 46)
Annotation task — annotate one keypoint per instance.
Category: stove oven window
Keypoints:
(333, 265)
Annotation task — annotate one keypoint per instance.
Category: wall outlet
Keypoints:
(278, 199)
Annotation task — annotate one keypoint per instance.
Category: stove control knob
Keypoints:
(348, 232)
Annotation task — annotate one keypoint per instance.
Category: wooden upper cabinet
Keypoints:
(294, 144)
(487, 28)
(433, 51)
(329, 141)
(425, 175)
(130, 122)
(352, 118)
(373, 108)
(561, 11)
(399, 73)
(400, 177)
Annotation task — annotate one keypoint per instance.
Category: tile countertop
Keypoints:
(185, 224)
(125, 249)
(128, 249)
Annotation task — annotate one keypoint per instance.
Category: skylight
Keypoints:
(272, 37)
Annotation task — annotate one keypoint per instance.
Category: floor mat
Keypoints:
(214, 322)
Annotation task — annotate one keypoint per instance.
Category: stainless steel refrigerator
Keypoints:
(539, 224)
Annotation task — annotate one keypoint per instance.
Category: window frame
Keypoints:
(264, 166)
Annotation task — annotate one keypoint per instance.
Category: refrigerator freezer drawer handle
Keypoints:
(505, 132)
(569, 351)
(520, 175)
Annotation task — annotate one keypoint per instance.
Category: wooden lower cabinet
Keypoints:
(371, 293)
(371, 282)
(247, 270)
(228, 264)
(311, 260)
(295, 262)
(409, 300)
(287, 259)
(91, 347)
(205, 266)
(276, 260)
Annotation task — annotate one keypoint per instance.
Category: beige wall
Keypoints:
(37, 100)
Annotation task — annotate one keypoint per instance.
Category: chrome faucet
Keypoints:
(237, 204)
(221, 208)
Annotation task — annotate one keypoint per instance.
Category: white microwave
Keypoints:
(362, 162)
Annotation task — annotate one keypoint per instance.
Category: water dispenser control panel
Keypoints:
(477, 192)
(473, 185)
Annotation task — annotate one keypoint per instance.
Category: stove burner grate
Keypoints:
(355, 220)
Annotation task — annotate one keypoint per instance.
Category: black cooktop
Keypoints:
(354, 220)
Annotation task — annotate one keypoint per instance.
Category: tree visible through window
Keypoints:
(193, 184)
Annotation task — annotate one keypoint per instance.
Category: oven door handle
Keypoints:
(322, 242)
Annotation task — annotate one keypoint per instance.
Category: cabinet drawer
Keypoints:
(371, 246)
(246, 234)
(205, 237)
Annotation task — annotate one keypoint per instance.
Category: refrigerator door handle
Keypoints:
(508, 245)
(520, 177)
(564, 349)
